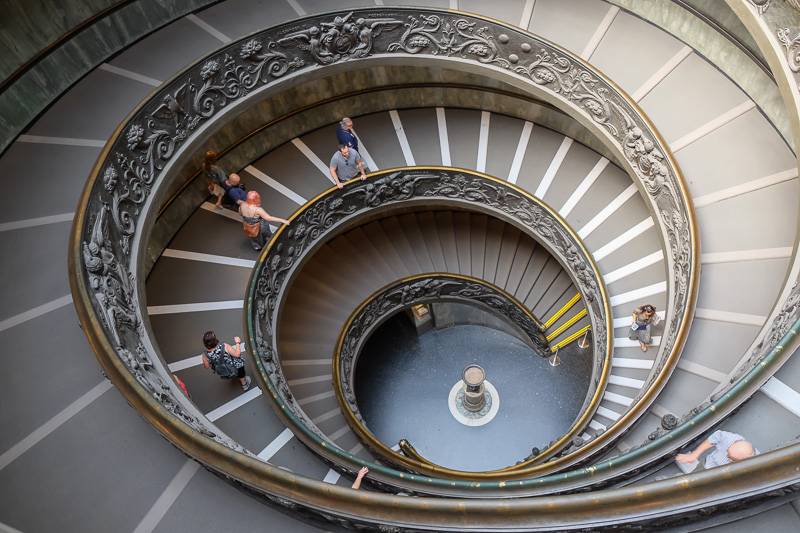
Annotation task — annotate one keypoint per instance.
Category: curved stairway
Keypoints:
(68, 442)
(357, 264)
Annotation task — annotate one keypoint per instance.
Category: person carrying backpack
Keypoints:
(224, 360)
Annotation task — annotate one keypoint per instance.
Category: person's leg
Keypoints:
(266, 232)
(244, 379)
(644, 337)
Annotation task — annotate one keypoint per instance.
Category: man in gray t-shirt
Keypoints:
(345, 165)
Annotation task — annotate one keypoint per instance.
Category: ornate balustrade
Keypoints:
(132, 180)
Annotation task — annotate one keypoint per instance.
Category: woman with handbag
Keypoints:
(256, 220)
(643, 317)
(224, 359)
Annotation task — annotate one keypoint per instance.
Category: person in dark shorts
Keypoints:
(217, 352)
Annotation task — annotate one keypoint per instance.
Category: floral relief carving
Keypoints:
(792, 46)
(439, 35)
(342, 38)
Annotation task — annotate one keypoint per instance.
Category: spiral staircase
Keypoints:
(74, 457)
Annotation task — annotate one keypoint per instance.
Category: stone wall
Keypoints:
(30, 26)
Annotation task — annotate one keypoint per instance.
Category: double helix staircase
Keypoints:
(72, 445)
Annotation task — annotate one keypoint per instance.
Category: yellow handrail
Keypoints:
(571, 338)
(560, 313)
(563, 327)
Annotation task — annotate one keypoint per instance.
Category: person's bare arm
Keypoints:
(206, 363)
(266, 216)
(336, 177)
(695, 455)
(361, 473)
(235, 351)
(361, 167)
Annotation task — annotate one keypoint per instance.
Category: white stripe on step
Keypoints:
(587, 182)
(221, 211)
(623, 239)
(746, 255)
(234, 404)
(311, 156)
(65, 141)
(552, 170)
(362, 150)
(183, 364)
(661, 73)
(283, 189)
(208, 258)
(599, 33)
(483, 141)
(130, 75)
(211, 30)
(607, 211)
(33, 222)
(786, 396)
(744, 188)
(276, 444)
(196, 307)
(711, 126)
(730, 317)
(623, 362)
(519, 155)
(444, 142)
(633, 267)
(638, 294)
(401, 137)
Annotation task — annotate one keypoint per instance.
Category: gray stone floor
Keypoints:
(403, 382)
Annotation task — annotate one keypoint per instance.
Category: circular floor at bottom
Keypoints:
(403, 382)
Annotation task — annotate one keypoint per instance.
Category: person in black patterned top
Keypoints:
(219, 351)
